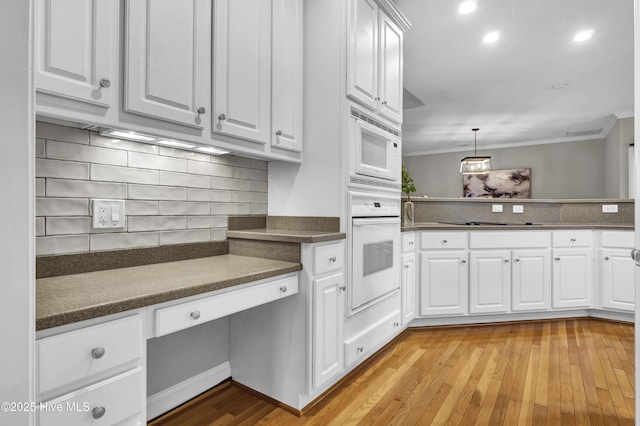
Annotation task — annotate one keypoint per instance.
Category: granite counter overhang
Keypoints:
(437, 226)
(286, 235)
(71, 298)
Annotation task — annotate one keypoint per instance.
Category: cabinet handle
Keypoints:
(506, 261)
(463, 261)
(195, 315)
(384, 102)
(557, 259)
(333, 259)
(396, 324)
(606, 258)
(376, 98)
(516, 260)
(360, 349)
(222, 117)
(444, 241)
(406, 266)
(573, 240)
(283, 289)
(343, 288)
(410, 243)
(97, 353)
(105, 82)
(98, 412)
(279, 133)
(202, 111)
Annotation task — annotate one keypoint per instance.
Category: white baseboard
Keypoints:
(613, 315)
(491, 318)
(180, 393)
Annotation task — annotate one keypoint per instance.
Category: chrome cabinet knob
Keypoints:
(463, 261)
(283, 289)
(222, 117)
(376, 98)
(557, 259)
(384, 102)
(516, 260)
(410, 243)
(573, 240)
(105, 82)
(360, 349)
(279, 133)
(343, 288)
(97, 353)
(506, 260)
(333, 259)
(406, 266)
(202, 110)
(98, 412)
(444, 241)
(606, 258)
(195, 315)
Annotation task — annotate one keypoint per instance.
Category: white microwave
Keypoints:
(377, 151)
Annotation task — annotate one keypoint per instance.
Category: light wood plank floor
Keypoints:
(566, 372)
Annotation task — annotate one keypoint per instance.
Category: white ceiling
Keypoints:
(506, 88)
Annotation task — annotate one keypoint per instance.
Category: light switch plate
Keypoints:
(108, 214)
(496, 208)
(609, 208)
(518, 208)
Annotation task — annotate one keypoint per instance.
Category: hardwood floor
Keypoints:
(569, 372)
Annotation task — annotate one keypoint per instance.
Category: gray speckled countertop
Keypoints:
(70, 298)
(434, 226)
(286, 235)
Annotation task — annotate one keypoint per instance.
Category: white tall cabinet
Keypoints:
(76, 48)
(167, 46)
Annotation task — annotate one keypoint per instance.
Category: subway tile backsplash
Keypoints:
(172, 196)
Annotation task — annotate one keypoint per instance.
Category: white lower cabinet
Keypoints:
(443, 282)
(531, 280)
(618, 279)
(489, 281)
(328, 326)
(408, 290)
(572, 277)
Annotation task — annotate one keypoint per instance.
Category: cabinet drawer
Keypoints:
(362, 344)
(623, 239)
(189, 314)
(71, 356)
(443, 240)
(120, 398)
(408, 242)
(509, 239)
(572, 238)
(328, 258)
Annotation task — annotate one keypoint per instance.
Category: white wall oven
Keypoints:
(375, 249)
(377, 152)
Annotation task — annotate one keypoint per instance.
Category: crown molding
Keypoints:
(394, 13)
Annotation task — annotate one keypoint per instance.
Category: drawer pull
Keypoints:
(195, 315)
(97, 353)
(557, 259)
(606, 258)
(516, 260)
(105, 82)
(463, 261)
(396, 324)
(444, 241)
(283, 289)
(506, 260)
(360, 349)
(411, 243)
(98, 412)
(343, 288)
(333, 259)
(573, 240)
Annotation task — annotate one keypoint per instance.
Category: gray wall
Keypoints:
(179, 356)
(616, 158)
(560, 170)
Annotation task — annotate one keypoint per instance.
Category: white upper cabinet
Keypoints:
(390, 88)
(167, 60)
(76, 47)
(286, 93)
(363, 51)
(242, 69)
(374, 59)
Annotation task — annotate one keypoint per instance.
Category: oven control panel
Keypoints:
(366, 205)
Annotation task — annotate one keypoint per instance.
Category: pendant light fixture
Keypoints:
(475, 165)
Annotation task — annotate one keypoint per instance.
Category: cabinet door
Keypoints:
(362, 53)
(328, 322)
(531, 280)
(443, 283)
(572, 278)
(242, 69)
(286, 110)
(390, 90)
(489, 281)
(76, 46)
(618, 280)
(167, 59)
(408, 288)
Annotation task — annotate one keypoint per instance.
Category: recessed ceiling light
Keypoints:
(467, 7)
(583, 35)
(492, 37)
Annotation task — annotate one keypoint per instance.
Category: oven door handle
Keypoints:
(376, 221)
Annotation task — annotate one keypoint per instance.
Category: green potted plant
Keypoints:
(407, 188)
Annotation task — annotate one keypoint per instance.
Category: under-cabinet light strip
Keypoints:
(138, 137)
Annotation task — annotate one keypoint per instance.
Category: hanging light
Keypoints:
(475, 165)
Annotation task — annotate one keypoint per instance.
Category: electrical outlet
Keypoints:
(496, 208)
(108, 214)
(518, 208)
(609, 208)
